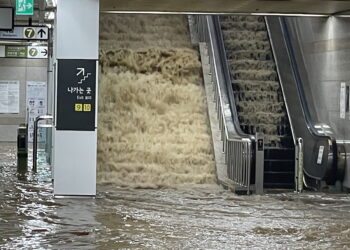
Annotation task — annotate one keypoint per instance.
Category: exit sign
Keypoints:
(25, 7)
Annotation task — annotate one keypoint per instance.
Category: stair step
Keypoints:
(280, 185)
(279, 177)
(242, 18)
(276, 172)
(279, 165)
(279, 153)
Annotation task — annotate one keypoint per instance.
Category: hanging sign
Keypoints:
(36, 52)
(26, 33)
(16, 51)
(25, 7)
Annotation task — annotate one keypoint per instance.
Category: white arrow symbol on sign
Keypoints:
(81, 71)
(29, 5)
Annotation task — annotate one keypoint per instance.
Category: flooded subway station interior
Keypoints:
(205, 131)
(178, 217)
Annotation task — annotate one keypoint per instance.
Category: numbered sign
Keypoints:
(26, 33)
(76, 95)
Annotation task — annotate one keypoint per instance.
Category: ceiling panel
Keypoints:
(227, 6)
(5, 3)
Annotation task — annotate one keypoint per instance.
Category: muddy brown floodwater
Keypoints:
(192, 217)
(153, 129)
(154, 134)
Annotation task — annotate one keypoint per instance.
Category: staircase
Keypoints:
(258, 95)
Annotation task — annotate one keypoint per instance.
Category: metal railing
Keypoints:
(238, 150)
(35, 139)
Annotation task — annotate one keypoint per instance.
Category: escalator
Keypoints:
(260, 69)
(257, 94)
(323, 156)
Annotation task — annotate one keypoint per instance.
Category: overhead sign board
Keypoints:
(76, 95)
(26, 33)
(6, 19)
(10, 51)
(25, 7)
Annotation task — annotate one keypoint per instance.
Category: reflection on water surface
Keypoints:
(193, 217)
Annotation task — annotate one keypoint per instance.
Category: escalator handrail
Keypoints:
(226, 75)
(234, 133)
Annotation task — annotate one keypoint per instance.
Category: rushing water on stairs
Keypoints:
(258, 95)
(153, 125)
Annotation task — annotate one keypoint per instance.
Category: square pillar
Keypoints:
(76, 85)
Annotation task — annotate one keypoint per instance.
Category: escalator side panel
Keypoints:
(316, 165)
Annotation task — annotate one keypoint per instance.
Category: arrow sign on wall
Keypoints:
(41, 32)
(44, 52)
(26, 33)
(80, 71)
(37, 52)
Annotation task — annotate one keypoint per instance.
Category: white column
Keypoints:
(75, 133)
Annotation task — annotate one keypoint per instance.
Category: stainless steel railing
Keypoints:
(238, 150)
(35, 139)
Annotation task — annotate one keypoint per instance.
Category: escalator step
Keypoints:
(262, 55)
(279, 153)
(229, 35)
(280, 185)
(257, 92)
(279, 177)
(279, 165)
(242, 26)
(245, 18)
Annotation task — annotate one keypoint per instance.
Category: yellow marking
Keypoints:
(78, 107)
(87, 107)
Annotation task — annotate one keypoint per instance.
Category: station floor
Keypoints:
(196, 217)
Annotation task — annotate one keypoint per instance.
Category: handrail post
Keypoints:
(35, 139)
(299, 165)
(259, 163)
(35, 144)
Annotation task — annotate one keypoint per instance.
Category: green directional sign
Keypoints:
(25, 7)
(16, 51)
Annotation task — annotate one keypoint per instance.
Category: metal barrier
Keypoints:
(35, 139)
(22, 148)
(238, 151)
